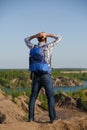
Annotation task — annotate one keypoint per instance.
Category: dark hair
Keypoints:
(41, 39)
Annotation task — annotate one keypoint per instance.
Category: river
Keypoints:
(62, 88)
(70, 88)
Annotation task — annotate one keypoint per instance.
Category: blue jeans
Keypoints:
(45, 81)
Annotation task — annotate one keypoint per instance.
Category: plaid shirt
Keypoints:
(47, 47)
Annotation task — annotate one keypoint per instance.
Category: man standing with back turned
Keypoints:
(43, 79)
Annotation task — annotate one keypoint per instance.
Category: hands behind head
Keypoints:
(41, 35)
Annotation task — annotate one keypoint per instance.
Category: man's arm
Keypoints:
(28, 43)
(28, 39)
(57, 39)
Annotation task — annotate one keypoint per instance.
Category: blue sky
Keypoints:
(22, 18)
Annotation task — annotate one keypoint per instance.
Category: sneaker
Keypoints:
(56, 119)
(31, 120)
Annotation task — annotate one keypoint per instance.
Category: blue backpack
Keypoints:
(37, 61)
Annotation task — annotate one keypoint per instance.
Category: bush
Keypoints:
(43, 100)
(81, 99)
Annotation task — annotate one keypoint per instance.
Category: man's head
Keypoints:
(42, 39)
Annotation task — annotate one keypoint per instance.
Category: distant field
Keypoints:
(74, 71)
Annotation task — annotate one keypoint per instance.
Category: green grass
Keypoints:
(23, 80)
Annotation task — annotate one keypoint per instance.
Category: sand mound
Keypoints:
(58, 125)
(10, 109)
(12, 116)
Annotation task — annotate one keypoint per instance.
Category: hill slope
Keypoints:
(14, 113)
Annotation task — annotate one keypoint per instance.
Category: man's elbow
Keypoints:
(25, 40)
(59, 37)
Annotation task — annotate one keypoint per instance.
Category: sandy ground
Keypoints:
(80, 124)
(71, 119)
